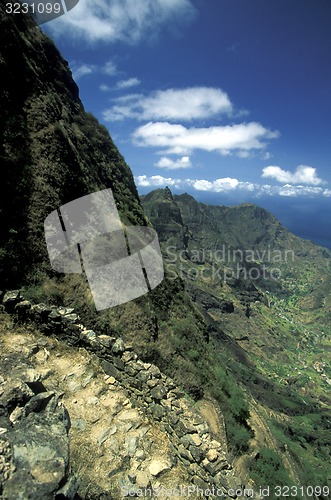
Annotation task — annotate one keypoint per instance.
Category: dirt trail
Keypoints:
(214, 419)
(262, 436)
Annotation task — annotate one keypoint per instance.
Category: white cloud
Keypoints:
(126, 84)
(156, 180)
(104, 88)
(243, 154)
(224, 139)
(218, 185)
(122, 20)
(168, 163)
(187, 104)
(266, 156)
(83, 70)
(303, 174)
(109, 68)
(228, 184)
(290, 190)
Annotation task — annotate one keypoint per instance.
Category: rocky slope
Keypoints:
(126, 427)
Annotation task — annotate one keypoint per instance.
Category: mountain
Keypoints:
(52, 151)
(270, 292)
(195, 383)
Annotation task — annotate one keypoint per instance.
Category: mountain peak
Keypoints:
(168, 194)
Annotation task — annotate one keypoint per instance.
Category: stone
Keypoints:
(196, 453)
(154, 371)
(79, 424)
(208, 466)
(221, 464)
(157, 411)
(152, 382)
(71, 318)
(118, 363)
(22, 309)
(39, 458)
(136, 366)
(55, 316)
(38, 402)
(185, 453)
(129, 370)
(127, 356)
(31, 376)
(212, 455)
(106, 340)
(142, 377)
(65, 310)
(10, 300)
(110, 370)
(119, 346)
(158, 467)
(129, 415)
(143, 479)
(90, 335)
(131, 445)
(110, 380)
(215, 444)
(103, 437)
(40, 312)
(69, 490)
(191, 439)
(134, 383)
(125, 483)
(200, 483)
(16, 414)
(179, 393)
(169, 383)
(159, 392)
(185, 427)
(16, 393)
(231, 482)
(173, 418)
(202, 428)
(140, 454)
(112, 430)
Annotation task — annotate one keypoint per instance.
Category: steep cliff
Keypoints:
(51, 150)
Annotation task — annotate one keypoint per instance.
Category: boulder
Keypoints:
(10, 300)
(119, 346)
(159, 392)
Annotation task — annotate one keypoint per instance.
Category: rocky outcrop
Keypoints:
(210, 302)
(51, 150)
(34, 441)
(156, 437)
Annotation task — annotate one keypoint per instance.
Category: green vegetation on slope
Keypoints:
(281, 325)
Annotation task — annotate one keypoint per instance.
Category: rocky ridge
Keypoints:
(131, 430)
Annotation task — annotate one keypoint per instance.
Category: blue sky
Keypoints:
(228, 100)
